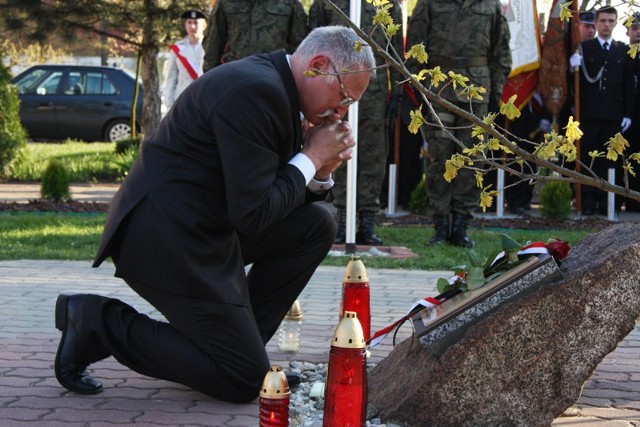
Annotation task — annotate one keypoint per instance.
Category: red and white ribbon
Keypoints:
(529, 249)
(428, 302)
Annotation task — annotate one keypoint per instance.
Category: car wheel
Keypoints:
(116, 130)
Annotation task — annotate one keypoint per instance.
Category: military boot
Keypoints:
(458, 235)
(441, 226)
(366, 235)
(342, 226)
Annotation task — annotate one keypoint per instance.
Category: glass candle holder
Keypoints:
(290, 328)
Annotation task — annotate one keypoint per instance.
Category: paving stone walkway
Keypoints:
(31, 396)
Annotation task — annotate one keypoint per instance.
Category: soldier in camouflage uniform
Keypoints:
(372, 127)
(239, 28)
(468, 37)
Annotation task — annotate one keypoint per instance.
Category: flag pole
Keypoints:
(576, 91)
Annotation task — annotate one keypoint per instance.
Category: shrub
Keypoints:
(55, 181)
(419, 201)
(13, 138)
(556, 197)
(127, 144)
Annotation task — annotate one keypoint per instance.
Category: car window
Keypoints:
(98, 83)
(89, 83)
(39, 82)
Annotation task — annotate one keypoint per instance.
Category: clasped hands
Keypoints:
(328, 145)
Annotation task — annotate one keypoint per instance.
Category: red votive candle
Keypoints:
(274, 399)
(355, 294)
(345, 402)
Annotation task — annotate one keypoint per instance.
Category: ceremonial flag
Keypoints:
(524, 43)
(559, 41)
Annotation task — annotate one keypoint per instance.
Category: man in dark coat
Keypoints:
(226, 182)
(606, 101)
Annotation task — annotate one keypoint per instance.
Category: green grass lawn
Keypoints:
(85, 162)
(28, 235)
(67, 236)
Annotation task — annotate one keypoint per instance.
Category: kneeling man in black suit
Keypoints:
(226, 181)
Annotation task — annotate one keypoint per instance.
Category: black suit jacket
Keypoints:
(215, 169)
(612, 96)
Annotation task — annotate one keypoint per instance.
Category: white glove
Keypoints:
(545, 125)
(575, 60)
(626, 124)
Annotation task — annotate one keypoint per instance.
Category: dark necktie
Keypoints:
(605, 45)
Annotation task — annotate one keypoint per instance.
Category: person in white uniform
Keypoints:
(186, 57)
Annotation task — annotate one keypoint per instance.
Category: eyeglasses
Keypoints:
(346, 99)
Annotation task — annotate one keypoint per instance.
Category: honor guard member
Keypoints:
(372, 126)
(239, 28)
(633, 134)
(468, 37)
(186, 58)
(587, 25)
(606, 101)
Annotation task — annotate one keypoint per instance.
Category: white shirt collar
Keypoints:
(609, 40)
(289, 62)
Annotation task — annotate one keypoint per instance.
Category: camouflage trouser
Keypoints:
(372, 154)
(461, 195)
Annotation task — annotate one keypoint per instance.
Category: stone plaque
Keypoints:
(443, 324)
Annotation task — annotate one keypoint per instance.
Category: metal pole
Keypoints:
(611, 197)
(352, 165)
(500, 198)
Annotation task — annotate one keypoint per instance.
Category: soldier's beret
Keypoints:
(588, 17)
(193, 14)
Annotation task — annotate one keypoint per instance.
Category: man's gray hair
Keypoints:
(339, 44)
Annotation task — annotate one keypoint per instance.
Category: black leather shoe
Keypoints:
(293, 379)
(71, 361)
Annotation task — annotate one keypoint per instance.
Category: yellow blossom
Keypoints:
(477, 132)
(493, 144)
(573, 131)
(629, 168)
(437, 76)
(474, 92)
(490, 119)
(479, 179)
(548, 147)
(486, 199)
(475, 150)
(416, 120)
(383, 17)
(595, 154)
(616, 146)
(509, 109)
(565, 12)
(458, 79)
(506, 149)
(452, 166)
(568, 150)
(392, 29)
(418, 52)
(635, 156)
